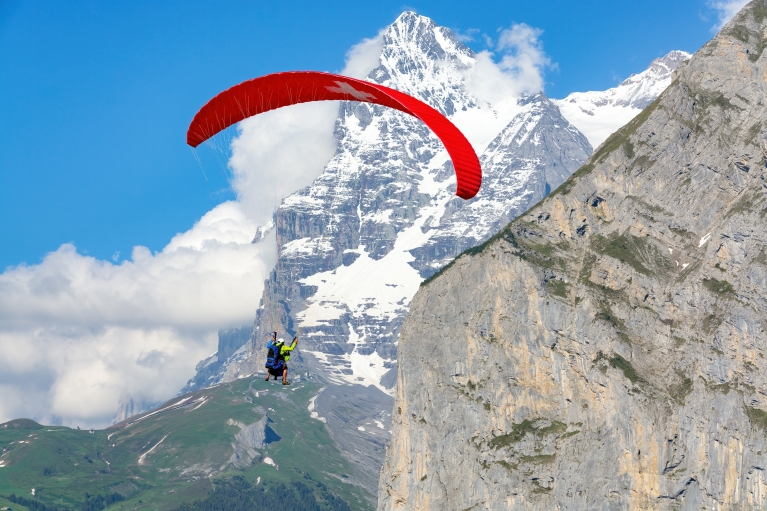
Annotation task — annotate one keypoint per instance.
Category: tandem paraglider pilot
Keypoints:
(277, 356)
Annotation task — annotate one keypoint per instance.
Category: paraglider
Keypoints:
(284, 89)
(277, 357)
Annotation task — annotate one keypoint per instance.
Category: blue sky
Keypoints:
(95, 97)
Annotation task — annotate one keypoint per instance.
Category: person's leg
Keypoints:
(267, 375)
(285, 375)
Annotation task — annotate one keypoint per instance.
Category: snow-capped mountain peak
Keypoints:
(427, 61)
(421, 59)
(639, 90)
(599, 113)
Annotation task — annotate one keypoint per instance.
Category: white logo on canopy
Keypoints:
(346, 88)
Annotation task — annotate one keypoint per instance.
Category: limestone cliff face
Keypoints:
(606, 350)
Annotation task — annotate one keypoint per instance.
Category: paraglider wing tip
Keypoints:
(193, 139)
(467, 193)
(469, 182)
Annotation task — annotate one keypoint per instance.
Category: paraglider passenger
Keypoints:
(285, 356)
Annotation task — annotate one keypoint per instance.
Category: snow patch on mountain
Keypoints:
(379, 288)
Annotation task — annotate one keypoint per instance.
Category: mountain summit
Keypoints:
(606, 349)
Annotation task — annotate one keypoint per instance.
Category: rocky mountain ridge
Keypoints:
(606, 350)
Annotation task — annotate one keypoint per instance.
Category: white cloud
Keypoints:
(726, 10)
(279, 152)
(499, 78)
(78, 334)
(523, 56)
(465, 36)
(364, 56)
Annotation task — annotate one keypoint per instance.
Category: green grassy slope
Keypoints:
(172, 457)
(15, 507)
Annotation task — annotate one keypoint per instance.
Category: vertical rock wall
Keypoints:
(607, 349)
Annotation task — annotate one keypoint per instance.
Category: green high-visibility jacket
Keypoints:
(285, 350)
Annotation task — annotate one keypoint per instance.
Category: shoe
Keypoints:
(286, 383)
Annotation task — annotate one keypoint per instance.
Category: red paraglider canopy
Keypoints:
(283, 89)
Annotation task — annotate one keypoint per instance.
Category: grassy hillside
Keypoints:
(178, 455)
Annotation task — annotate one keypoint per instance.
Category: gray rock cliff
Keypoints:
(606, 350)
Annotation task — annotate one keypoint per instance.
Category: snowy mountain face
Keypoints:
(598, 114)
(356, 244)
